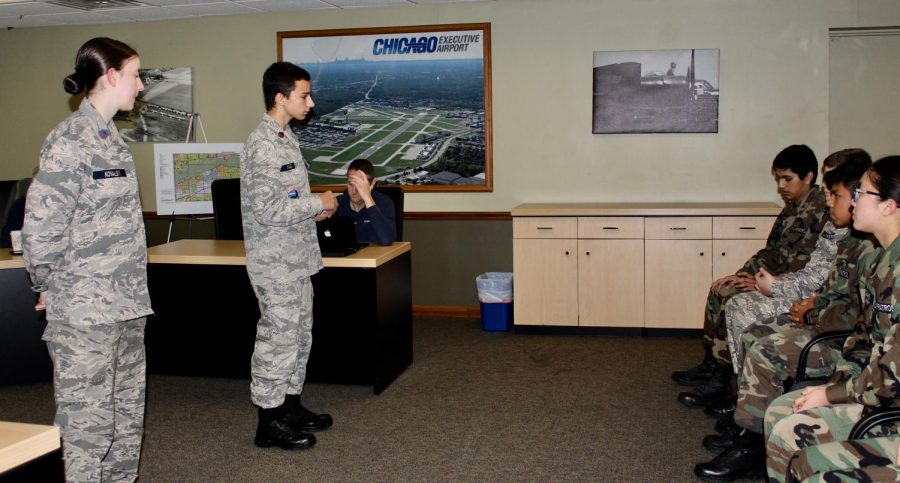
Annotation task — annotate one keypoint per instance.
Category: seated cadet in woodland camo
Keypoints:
(867, 460)
(774, 357)
(868, 372)
(788, 248)
(776, 294)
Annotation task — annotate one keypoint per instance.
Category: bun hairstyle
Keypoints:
(94, 58)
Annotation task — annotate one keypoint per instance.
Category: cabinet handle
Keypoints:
(567, 252)
(610, 227)
(748, 228)
(678, 228)
(723, 254)
(545, 228)
(587, 253)
(701, 254)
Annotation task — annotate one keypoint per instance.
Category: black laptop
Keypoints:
(337, 237)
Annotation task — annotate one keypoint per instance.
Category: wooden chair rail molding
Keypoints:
(409, 215)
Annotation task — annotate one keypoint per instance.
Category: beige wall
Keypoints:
(773, 77)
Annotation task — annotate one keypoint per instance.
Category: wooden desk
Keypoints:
(23, 355)
(21, 443)
(206, 313)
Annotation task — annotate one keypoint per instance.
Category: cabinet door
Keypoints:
(611, 283)
(677, 275)
(545, 287)
(730, 255)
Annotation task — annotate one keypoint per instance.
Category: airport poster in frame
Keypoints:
(656, 91)
(415, 101)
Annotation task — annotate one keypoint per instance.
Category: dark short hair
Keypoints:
(838, 158)
(885, 176)
(798, 158)
(93, 59)
(280, 78)
(364, 165)
(848, 173)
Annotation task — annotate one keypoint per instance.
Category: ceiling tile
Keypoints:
(219, 8)
(430, 2)
(33, 8)
(367, 3)
(40, 13)
(169, 3)
(285, 5)
(82, 18)
(28, 21)
(146, 13)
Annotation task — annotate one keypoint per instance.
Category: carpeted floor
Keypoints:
(474, 406)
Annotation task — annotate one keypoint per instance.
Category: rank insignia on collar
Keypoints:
(281, 134)
(104, 133)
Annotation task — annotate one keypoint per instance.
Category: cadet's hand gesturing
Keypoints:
(329, 206)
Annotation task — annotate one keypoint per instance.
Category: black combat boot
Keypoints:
(698, 374)
(747, 459)
(717, 387)
(727, 425)
(303, 419)
(721, 441)
(723, 408)
(274, 429)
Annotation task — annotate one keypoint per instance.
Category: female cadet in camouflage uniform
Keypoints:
(278, 213)
(868, 373)
(86, 252)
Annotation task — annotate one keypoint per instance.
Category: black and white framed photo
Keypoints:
(163, 111)
(656, 91)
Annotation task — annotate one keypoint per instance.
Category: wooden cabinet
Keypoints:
(610, 272)
(546, 281)
(677, 269)
(616, 265)
(579, 271)
(735, 239)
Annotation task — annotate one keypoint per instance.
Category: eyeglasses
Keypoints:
(858, 192)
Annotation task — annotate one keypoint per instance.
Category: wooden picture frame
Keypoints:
(415, 101)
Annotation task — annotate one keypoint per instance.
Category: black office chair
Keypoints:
(801, 380)
(877, 418)
(226, 200)
(395, 193)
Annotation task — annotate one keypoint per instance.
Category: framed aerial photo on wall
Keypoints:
(656, 91)
(163, 111)
(415, 101)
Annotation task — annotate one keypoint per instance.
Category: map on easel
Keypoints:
(185, 172)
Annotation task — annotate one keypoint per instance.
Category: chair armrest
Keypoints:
(804, 354)
(877, 418)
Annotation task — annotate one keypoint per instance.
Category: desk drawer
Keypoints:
(742, 227)
(611, 227)
(545, 227)
(678, 228)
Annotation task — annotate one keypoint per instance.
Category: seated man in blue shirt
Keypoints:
(371, 211)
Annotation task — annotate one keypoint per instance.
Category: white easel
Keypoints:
(189, 137)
